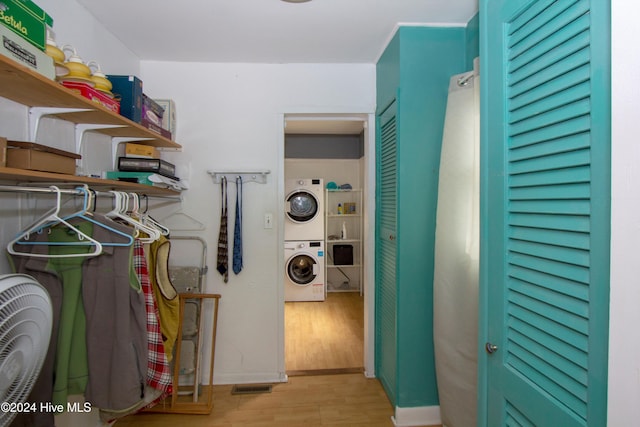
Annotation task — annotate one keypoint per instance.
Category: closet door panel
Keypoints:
(386, 260)
(545, 245)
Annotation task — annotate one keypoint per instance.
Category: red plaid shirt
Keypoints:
(158, 369)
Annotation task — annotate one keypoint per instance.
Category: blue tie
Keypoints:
(237, 229)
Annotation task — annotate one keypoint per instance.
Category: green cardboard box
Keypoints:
(36, 11)
(26, 19)
(20, 50)
(137, 177)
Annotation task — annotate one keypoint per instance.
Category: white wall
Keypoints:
(73, 25)
(230, 117)
(624, 344)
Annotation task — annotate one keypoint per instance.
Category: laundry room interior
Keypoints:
(325, 333)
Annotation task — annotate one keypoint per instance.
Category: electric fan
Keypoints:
(25, 328)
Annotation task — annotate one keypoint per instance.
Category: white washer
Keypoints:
(304, 209)
(304, 271)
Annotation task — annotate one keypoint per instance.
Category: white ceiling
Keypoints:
(268, 31)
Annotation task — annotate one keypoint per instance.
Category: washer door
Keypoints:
(302, 206)
(302, 269)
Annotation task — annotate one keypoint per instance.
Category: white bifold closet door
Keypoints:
(457, 255)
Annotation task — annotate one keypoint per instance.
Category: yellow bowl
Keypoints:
(55, 53)
(78, 69)
(102, 83)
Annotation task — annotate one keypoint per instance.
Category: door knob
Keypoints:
(490, 348)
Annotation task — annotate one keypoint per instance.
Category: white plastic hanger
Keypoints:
(50, 219)
(88, 201)
(119, 211)
(149, 220)
(181, 221)
(135, 213)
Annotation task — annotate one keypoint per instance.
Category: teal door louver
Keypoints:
(546, 200)
(386, 298)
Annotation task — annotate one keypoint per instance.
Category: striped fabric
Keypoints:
(223, 245)
(158, 370)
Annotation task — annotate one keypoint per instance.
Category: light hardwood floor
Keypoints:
(320, 400)
(325, 335)
(319, 336)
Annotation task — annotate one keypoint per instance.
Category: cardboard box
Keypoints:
(155, 128)
(136, 164)
(137, 177)
(169, 117)
(129, 88)
(93, 94)
(36, 11)
(15, 47)
(147, 178)
(27, 20)
(151, 110)
(139, 150)
(32, 156)
(349, 208)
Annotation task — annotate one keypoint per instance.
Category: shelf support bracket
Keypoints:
(36, 113)
(81, 129)
(115, 142)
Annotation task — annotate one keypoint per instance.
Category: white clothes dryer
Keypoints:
(304, 209)
(304, 278)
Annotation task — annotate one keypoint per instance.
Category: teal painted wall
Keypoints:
(418, 64)
(472, 40)
(388, 74)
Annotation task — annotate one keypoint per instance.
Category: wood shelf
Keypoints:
(21, 176)
(24, 86)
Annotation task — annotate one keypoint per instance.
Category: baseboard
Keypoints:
(419, 416)
(337, 371)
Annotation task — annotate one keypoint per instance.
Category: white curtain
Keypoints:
(457, 255)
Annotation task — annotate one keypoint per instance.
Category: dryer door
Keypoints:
(302, 269)
(302, 206)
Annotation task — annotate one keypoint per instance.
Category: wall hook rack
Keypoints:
(247, 176)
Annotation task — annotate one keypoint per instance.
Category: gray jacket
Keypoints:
(115, 323)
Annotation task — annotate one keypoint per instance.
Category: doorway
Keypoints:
(330, 336)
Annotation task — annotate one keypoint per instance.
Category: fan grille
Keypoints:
(25, 330)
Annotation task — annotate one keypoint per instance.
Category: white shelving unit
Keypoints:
(346, 274)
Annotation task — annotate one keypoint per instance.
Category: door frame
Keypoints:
(368, 244)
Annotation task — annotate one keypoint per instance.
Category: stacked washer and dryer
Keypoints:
(304, 275)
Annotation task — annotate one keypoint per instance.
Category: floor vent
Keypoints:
(251, 389)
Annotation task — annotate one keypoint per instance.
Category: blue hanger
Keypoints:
(49, 219)
(82, 214)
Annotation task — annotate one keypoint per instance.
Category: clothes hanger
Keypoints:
(88, 202)
(50, 219)
(146, 218)
(119, 212)
(135, 213)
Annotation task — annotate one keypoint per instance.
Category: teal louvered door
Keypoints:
(386, 284)
(545, 215)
